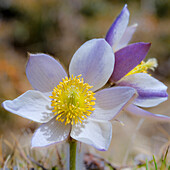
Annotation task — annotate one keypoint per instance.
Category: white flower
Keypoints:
(73, 110)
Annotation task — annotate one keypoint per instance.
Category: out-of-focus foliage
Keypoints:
(162, 8)
(161, 164)
(59, 27)
(20, 156)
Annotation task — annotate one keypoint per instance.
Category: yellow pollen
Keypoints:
(72, 101)
(144, 66)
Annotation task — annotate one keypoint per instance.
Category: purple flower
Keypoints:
(130, 70)
(68, 106)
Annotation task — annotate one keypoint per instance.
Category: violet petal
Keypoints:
(44, 72)
(118, 27)
(94, 60)
(128, 58)
(151, 91)
(110, 101)
(127, 36)
(134, 110)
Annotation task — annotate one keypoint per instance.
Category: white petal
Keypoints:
(50, 133)
(149, 102)
(44, 72)
(151, 91)
(134, 110)
(127, 36)
(47, 94)
(109, 102)
(32, 105)
(95, 133)
(95, 61)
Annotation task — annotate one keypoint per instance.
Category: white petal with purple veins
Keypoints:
(151, 91)
(118, 28)
(134, 110)
(94, 60)
(109, 102)
(32, 105)
(95, 133)
(127, 36)
(50, 133)
(44, 72)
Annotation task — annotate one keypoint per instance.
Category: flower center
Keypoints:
(72, 101)
(144, 66)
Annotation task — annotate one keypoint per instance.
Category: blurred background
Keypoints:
(58, 28)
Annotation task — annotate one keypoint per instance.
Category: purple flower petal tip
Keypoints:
(118, 27)
(128, 58)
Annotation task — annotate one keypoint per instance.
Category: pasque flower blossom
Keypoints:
(68, 106)
(130, 69)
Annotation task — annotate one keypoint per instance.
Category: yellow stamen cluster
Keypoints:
(144, 66)
(72, 101)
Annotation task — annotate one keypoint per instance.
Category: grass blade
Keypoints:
(156, 167)
(163, 164)
(147, 168)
